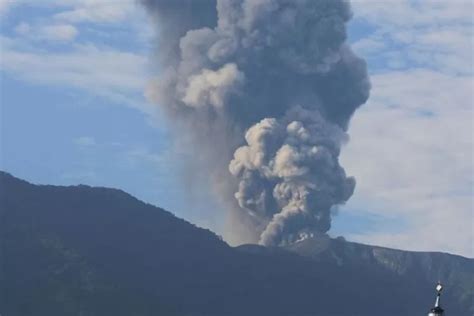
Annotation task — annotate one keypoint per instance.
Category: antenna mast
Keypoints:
(437, 310)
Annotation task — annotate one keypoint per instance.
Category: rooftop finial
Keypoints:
(437, 310)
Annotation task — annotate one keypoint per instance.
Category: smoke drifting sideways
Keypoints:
(265, 90)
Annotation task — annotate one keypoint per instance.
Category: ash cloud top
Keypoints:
(264, 90)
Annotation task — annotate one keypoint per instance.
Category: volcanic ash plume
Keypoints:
(265, 89)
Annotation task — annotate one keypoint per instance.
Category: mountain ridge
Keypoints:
(101, 251)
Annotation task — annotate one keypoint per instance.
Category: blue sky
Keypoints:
(73, 110)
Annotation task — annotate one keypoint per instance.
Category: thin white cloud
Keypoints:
(96, 11)
(85, 141)
(411, 152)
(412, 14)
(411, 147)
(5, 6)
(434, 34)
(58, 32)
(23, 29)
(93, 67)
(50, 32)
(103, 71)
(81, 11)
(369, 45)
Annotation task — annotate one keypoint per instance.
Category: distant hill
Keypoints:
(456, 272)
(95, 251)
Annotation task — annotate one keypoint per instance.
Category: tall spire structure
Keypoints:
(437, 310)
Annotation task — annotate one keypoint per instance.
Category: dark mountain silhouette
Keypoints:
(96, 251)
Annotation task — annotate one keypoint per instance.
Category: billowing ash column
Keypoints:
(437, 310)
(263, 91)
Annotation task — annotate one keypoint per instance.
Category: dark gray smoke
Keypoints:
(264, 89)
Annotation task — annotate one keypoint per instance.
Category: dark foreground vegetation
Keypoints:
(96, 251)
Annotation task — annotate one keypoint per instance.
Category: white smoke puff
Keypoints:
(212, 87)
(259, 137)
(297, 130)
(289, 162)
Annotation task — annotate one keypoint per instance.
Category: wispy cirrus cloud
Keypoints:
(433, 34)
(96, 11)
(102, 71)
(50, 32)
(78, 44)
(59, 32)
